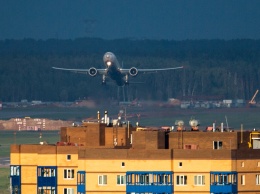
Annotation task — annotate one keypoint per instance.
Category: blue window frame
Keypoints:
(81, 182)
(15, 176)
(149, 181)
(223, 182)
(47, 179)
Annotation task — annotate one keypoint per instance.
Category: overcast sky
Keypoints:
(112, 19)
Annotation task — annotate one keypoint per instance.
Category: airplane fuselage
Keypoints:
(113, 68)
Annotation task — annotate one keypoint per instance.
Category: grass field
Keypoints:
(24, 137)
(4, 180)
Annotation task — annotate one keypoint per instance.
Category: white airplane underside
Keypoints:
(114, 71)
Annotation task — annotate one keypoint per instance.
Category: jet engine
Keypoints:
(92, 71)
(133, 71)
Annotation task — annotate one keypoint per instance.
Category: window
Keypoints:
(243, 179)
(68, 191)
(258, 164)
(234, 179)
(46, 172)
(81, 178)
(257, 181)
(68, 157)
(199, 180)
(149, 178)
(47, 190)
(180, 164)
(123, 164)
(164, 179)
(242, 164)
(102, 179)
(217, 145)
(181, 180)
(15, 170)
(187, 147)
(223, 179)
(144, 179)
(69, 173)
(120, 180)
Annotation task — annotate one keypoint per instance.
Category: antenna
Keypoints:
(125, 113)
(15, 137)
(241, 133)
(227, 122)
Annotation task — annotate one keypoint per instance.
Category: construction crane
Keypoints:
(252, 101)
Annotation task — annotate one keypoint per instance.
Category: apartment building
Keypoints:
(100, 158)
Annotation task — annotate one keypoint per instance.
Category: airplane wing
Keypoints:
(155, 70)
(151, 70)
(84, 71)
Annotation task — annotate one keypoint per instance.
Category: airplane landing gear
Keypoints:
(103, 80)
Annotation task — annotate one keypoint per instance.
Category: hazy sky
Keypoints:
(112, 19)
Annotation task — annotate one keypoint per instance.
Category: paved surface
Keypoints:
(4, 162)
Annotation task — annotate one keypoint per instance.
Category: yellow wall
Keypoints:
(62, 160)
(190, 168)
(250, 182)
(60, 189)
(62, 180)
(14, 158)
(32, 188)
(249, 168)
(29, 174)
(130, 165)
(248, 165)
(92, 182)
(190, 183)
(29, 159)
(112, 168)
(46, 160)
(202, 165)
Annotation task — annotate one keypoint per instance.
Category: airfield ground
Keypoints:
(149, 115)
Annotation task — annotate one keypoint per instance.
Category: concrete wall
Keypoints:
(149, 140)
(203, 140)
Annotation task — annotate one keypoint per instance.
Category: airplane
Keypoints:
(114, 71)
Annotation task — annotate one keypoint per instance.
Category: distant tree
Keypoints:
(212, 68)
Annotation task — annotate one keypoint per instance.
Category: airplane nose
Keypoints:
(108, 59)
(108, 56)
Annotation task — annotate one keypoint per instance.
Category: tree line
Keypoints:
(214, 69)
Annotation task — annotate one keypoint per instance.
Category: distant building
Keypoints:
(227, 103)
(36, 102)
(96, 158)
